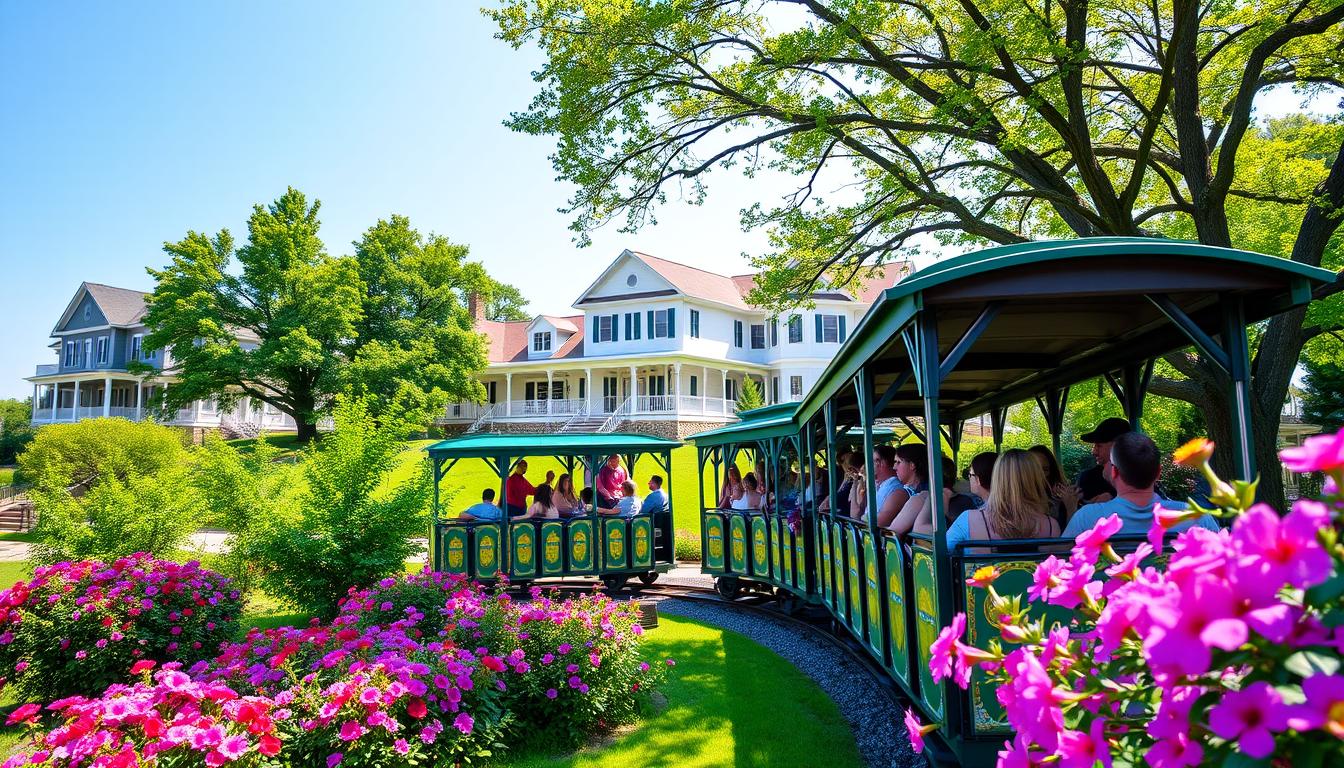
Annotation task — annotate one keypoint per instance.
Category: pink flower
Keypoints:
(464, 723)
(25, 714)
(1324, 707)
(233, 747)
(401, 747)
(334, 759)
(1284, 550)
(1204, 615)
(1084, 750)
(144, 665)
(916, 730)
(1046, 578)
(370, 696)
(1250, 716)
(1179, 751)
(1321, 453)
(1087, 545)
(351, 730)
(941, 662)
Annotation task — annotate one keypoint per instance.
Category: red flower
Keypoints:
(416, 708)
(269, 746)
(25, 714)
(144, 665)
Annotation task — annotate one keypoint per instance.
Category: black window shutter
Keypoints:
(650, 323)
(818, 329)
(627, 325)
(615, 328)
(842, 328)
(672, 323)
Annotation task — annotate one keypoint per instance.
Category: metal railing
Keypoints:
(483, 420)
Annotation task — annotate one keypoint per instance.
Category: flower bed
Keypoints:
(77, 627)
(1228, 656)
(426, 670)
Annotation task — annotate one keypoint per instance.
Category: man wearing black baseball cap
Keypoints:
(1092, 482)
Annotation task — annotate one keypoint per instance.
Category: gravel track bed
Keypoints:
(876, 722)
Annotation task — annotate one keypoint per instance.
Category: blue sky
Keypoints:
(126, 125)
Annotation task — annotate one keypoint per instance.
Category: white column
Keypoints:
(139, 394)
(74, 412)
(550, 392)
(508, 394)
(36, 399)
(588, 389)
(634, 390)
(704, 384)
(107, 396)
(676, 387)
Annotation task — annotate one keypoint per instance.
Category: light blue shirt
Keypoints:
(654, 502)
(1135, 519)
(628, 506)
(885, 489)
(959, 531)
(485, 511)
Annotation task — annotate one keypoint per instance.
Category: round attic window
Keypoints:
(631, 280)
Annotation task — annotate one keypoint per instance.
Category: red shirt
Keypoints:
(609, 481)
(517, 489)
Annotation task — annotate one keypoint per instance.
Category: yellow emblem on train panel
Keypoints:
(579, 543)
(455, 547)
(641, 542)
(739, 544)
(486, 557)
(522, 548)
(895, 606)
(615, 543)
(760, 546)
(715, 537)
(553, 547)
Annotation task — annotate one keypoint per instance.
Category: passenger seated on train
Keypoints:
(656, 501)
(1092, 483)
(586, 501)
(1134, 466)
(1018, 506)
(917, 514)
(1063, 495)
(610, 479)
(761, 478)
(788, 493)
(486, 511)
(517, 489)
(542, 507)
(845, 487)
(858, 486)
(980, 474)
(732, 487)
(566, 503)
(954, 502)
(626, 506)
(817, 489)
(898, 474)
(752, 497)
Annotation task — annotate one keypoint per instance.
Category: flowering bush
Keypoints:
(388, 682)
(1228, 656)
(78, 627)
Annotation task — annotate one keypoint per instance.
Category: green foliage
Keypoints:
(106, 488)
(15, 429)
(1323, 393)
(241, 491)
(506, 303)
(343, 529)
(388, 322)
(687, 545)
(749, 395)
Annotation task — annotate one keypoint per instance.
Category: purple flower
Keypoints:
(551, 693)
(334, 759)
(464, 723)
(1250, 716)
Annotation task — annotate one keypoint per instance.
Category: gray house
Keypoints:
(100, 332)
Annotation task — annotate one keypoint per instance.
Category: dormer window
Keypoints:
(541, 341)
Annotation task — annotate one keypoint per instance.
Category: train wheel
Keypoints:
(614, 584)
(728, 587)
(647, 579)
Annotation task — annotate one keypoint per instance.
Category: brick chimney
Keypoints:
(476, 306)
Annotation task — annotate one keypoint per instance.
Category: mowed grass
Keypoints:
(730, 702)
(6, 475)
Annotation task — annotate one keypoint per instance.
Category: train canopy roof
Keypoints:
(577, 444)
(764, 423)
(1048, 314)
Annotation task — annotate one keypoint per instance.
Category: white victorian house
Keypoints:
(101, 330)
(659, 347)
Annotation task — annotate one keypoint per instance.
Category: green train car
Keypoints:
(964, 337)
(612, 549)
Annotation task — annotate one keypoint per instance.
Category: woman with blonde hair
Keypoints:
(732, 487)
(1018, 505)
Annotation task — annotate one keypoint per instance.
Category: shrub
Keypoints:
(1229, 656)
(371, 688)
(78, 627)
(343, 528)
(687, 545)
(107, 488)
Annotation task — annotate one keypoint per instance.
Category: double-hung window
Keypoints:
(87, 362)
(103, 343)
(695, 323)
(541, 341)
(758, 336)
(660, 327)
(796, 329)
(71, 354)
(606, 326)
(796, 387)
(830, 329)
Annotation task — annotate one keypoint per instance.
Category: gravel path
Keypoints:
(876, 722)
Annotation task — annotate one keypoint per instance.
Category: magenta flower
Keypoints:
(1088, 544)
(464, 723)
(334, 759)
(941, 662)
(1284, 550)
(1324, 707)
(1179, 751)
(1085, 750)
(351, 730)
(1320, 453)
(1046, 578)
(1250, 716)
(551, 693)
(916, 730)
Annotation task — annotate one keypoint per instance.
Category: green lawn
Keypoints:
(288, 444)
(729, 702)
(6, 475)
(11, 572)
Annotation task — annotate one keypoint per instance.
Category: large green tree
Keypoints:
(292, 326)
(972, 122)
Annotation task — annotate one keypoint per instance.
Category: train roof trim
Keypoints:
(570, 444)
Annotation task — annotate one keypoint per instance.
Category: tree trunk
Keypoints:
(306, 431)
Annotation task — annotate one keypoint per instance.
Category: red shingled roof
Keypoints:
(509, 340)
(696, 282)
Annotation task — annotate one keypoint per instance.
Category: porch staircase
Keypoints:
(583, 422)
